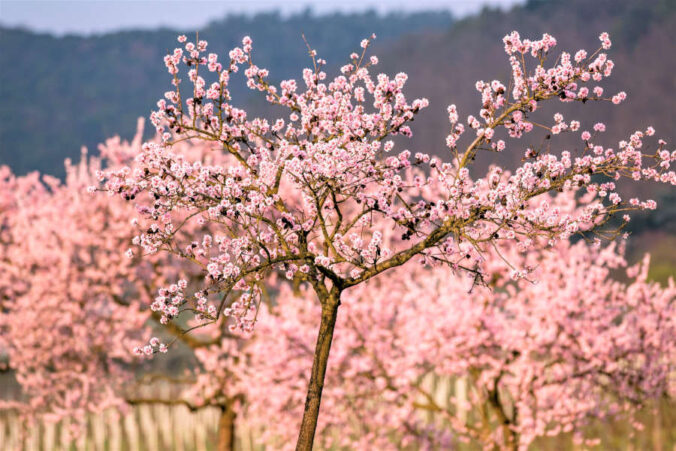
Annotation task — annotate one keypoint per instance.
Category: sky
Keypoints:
(99, 16)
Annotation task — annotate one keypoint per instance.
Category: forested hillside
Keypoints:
(61, 93)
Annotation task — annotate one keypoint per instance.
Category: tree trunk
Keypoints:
(226, 429)
(314, 393)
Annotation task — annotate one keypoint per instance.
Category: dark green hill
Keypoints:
(61, 93)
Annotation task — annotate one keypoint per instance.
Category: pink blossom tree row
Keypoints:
(538, 356)
(526, 360)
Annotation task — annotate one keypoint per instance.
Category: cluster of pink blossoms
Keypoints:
(72, 303)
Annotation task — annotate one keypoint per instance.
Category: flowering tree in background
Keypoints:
(534, 359)
(311, 194)
(71, 301)
(63, 264)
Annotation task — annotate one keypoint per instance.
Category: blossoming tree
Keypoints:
(311, 193)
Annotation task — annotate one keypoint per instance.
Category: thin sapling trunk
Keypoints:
(330, 303)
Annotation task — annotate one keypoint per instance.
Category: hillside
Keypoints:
(61, 93)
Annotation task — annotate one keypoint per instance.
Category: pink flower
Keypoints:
(580, 56)
(605, 40)
(619, 97)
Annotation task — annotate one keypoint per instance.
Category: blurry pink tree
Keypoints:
(312, 194)
(71, 302)
(62, 266)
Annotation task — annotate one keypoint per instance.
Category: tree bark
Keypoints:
(510, 437)
(308, 426)
(226, 429)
